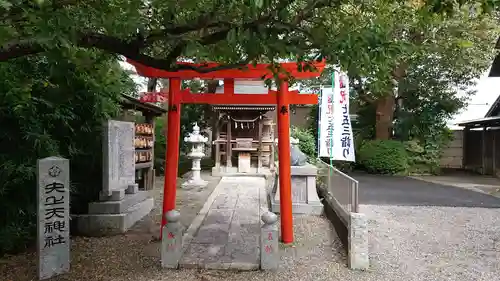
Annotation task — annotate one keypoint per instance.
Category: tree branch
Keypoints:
(16, 11)
(132, 48)
(20, 49)
(112, 45)
(202, 22)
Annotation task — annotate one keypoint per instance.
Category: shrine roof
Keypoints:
(257, 71)
(128, 102)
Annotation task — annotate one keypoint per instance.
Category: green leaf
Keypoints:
(465, 44)
(258, 3)
(5, 4)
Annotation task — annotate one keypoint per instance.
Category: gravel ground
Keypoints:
(434, 243)
(407, 243)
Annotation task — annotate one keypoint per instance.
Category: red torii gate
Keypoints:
(283, 98)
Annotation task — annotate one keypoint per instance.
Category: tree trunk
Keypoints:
(384, 117)
(386, 105)
(152, 82)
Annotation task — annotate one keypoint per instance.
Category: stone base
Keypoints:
(194, 183)
(117, 207)
(299, 208)
(132, 189)
(223, 171)
(114, 217)
(305, 199)
(115, 195)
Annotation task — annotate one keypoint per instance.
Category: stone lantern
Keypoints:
(197, 142)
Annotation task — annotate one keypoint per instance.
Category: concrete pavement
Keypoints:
(405, 191)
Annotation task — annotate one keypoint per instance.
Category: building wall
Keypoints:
(453, 154)
(298, 118)
(482, 153)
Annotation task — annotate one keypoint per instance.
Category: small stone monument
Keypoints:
(118, 160)
(53, 217)
(121, 203)
(305, 198)
(269, 256)
(171, 243)
(197, 142)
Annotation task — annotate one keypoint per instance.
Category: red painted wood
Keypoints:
(227, 98)
(172, 153)
(229, 87)
(283, 99)
(283, 112)
(249, 72)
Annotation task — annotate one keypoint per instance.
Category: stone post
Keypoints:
(132, 189)
(269, 255)
(358, 242)
(171, 244)
(53, 242)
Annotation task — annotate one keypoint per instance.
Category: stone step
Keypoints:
(138, 211)
(112, 224)
(117, 207)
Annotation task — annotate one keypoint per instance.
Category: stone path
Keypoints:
(226, 233)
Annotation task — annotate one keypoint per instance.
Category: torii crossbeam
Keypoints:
(282, 97)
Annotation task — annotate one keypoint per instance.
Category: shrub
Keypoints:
(307, 142)
(423, 158)
(383, 157)
(160, 146)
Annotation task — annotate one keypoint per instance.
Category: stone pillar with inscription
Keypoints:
(121, 204)
(53, 242)
(269, 255)
(118, 160)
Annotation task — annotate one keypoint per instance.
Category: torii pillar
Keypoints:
(284, 163)
(172, 152)
(283, 98)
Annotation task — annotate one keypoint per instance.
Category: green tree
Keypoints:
(158, 33)
(454, 50)
(414, 52)
(52, 105)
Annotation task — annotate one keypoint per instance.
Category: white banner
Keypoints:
(325, 126)
(343, 141)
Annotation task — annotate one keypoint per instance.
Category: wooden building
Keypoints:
(145, 136)
(244, 134)
(481, 137)
(481, 143)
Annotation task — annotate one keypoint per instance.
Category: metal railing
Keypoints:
(340, 187)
